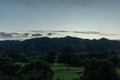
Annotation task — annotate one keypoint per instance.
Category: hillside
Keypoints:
(45, 44)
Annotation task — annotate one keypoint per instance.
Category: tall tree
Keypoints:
(66, 55)
(13, 54)
(100, 70)
(50, 57)
(36, 70)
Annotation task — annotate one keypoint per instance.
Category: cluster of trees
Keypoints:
(97, 69)
(12, 68)
(68, 56)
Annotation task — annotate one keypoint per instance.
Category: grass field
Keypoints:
(69, 73)
(66, 73)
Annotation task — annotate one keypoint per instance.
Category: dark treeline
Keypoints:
(67, 56)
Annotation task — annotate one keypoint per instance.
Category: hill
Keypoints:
(43, 45)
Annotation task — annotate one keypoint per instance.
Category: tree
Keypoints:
(8, 69)
(115, 59)
(50, 57)
(36, 70)
(13, 54)
(66, 55)
(100, 70)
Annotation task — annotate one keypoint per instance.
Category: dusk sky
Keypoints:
(69, 15)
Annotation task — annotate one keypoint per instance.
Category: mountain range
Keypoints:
(43, 45)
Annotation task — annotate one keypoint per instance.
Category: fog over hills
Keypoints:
(53, 34)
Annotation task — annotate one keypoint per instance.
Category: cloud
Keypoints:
(37, 35)
(89, 32)
(94, 32)
(52, 32)
(5, 35)
(61, 31)
(13, 36)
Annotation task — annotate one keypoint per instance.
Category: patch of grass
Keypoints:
(65, 72)
(66, 75)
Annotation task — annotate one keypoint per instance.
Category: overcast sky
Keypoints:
(69, 15)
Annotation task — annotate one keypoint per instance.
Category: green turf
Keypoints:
(65, 72)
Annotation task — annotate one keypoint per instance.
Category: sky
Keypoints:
(102, 16)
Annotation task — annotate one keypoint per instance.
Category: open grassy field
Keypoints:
(65, 72)
(69, 73)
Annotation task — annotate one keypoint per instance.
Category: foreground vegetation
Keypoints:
(68, 66)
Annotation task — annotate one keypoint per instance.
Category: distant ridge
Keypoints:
(43, 45)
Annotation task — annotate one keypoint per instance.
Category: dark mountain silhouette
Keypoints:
(8, 44)
(43, 45)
